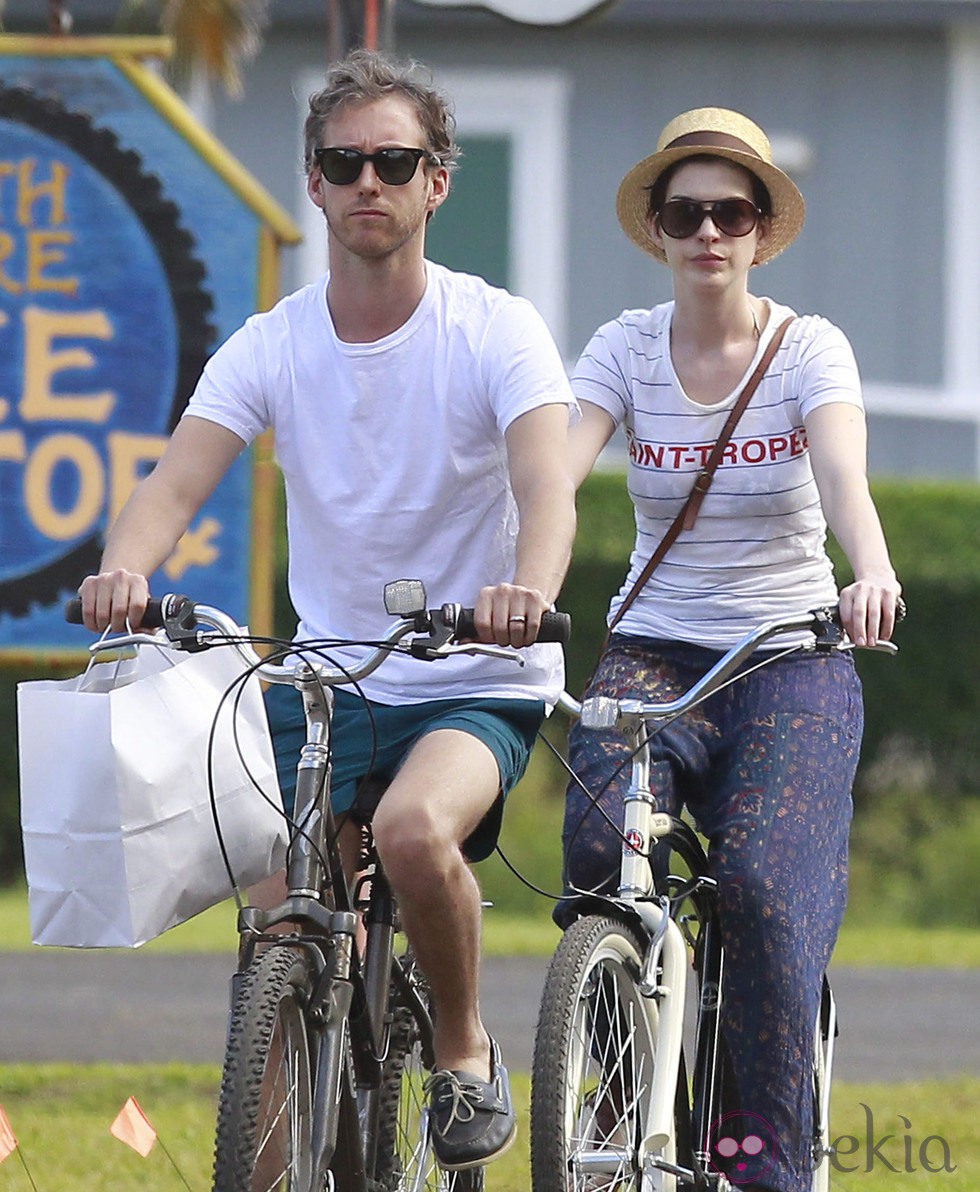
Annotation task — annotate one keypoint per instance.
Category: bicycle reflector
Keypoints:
(405, 597)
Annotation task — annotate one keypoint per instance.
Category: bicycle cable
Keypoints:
(594, 798)
(238, 686)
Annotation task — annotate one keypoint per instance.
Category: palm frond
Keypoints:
(217, 34)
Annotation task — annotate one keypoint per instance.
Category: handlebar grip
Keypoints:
(555, 626)
(152, 617)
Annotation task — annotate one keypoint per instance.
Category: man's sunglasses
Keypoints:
(680, 218)
(394, 167)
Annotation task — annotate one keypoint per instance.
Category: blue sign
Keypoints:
(125, 258)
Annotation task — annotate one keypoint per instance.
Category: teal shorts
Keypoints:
(370, 741)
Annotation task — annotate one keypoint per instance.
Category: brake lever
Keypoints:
(447, 649)
(880, 647)
(829, 635)
(440, 641)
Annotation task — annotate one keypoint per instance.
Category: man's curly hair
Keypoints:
(367, 75)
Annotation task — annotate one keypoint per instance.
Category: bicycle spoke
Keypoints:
(273, 1134)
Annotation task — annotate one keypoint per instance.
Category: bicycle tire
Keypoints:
(265, 1107)
(404, 1155)
(594, 1054)
(822, 1077)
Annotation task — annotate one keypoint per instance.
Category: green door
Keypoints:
(471, 230)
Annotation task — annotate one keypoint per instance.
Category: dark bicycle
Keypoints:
(330, 1039)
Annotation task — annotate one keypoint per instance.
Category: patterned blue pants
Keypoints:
(765, 767)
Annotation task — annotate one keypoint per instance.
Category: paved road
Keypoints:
(147, 1007)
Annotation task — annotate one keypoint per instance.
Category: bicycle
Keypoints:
(329, 1046)
(612, 1108)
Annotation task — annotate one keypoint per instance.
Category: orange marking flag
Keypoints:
(8, 1143)
(133, 1128)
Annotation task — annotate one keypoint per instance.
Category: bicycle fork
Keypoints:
(662, 980)
(333, 1049)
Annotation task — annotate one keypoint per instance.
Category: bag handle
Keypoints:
(687, 516)
(127, 655)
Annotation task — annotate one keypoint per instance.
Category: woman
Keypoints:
(765, 767)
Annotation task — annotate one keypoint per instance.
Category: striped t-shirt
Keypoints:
(757, 551)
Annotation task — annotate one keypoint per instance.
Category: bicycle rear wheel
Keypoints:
(594, 1056)
(405, 1160)
(265, 1105)
(822, 1075)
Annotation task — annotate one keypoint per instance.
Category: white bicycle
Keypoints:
(620, 1101)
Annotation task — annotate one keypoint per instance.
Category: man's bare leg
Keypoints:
(445, 787)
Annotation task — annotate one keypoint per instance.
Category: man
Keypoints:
(420, 420)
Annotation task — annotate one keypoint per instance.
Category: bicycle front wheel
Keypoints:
(265, 1105)
(594, 1056)
(405, 1160)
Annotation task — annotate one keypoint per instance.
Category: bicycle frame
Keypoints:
(642, 827)
(663, 979)
(351, 995)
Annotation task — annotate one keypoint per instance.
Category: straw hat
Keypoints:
(722, 133)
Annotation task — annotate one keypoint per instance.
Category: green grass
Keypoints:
(212, 931)
(863, 945)
(930, 1123)
(863, 942)
(889, 945)
(61, 1115)
(519, 922)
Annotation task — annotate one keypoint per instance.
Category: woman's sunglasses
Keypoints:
(394, 167)
(680, 218)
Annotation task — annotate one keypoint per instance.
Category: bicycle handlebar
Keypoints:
(439, 634)
(602, 712)
(153, 617)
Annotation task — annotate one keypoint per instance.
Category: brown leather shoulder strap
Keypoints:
(689, 511)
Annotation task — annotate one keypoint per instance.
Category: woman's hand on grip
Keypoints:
(868, 610)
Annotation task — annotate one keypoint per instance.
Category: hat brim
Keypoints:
(633, 198)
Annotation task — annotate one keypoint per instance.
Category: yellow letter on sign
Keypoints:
(42, 363)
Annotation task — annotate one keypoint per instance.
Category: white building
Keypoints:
(873, 106)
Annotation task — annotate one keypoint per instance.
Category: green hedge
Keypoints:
(922, 707)
(925, 700)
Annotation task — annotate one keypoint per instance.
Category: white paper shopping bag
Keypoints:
(120, 842)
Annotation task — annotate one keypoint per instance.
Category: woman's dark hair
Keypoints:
(658, 191)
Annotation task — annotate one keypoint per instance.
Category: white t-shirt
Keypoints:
(395, 463)
(757, 551)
